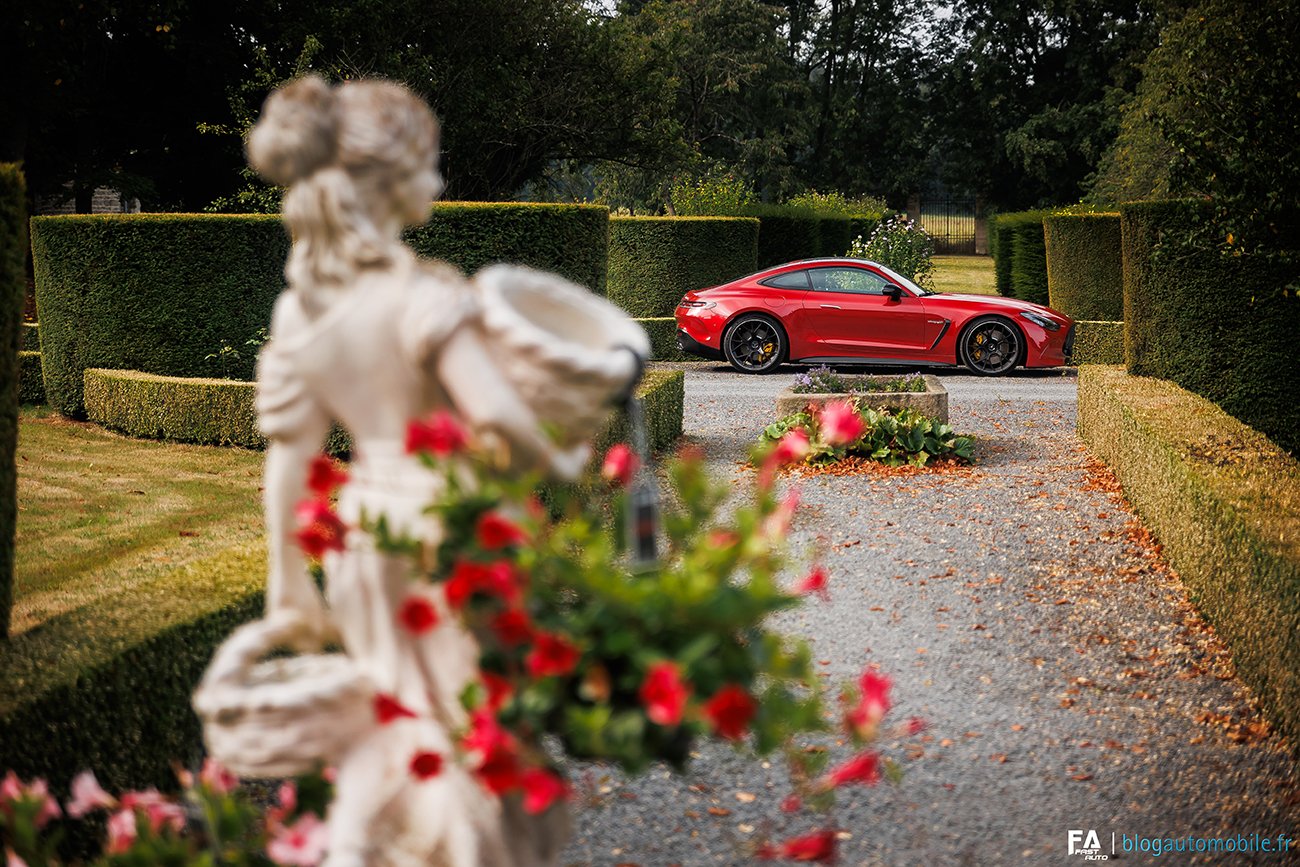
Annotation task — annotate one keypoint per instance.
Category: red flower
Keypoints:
(862, 768)
(730, 711)
(466, 579)
(496, 532)
(664, 694)
(417, 614)
(319, 529)
(498, 768)
(817, 846)
(440, 434)
(840, 423)
(552, 655)
(498, 689)
(791, 804)
(916, 725)
(512, 627)
(387, 709)
(620, 465)
(792, 448)
(426, 765)
(541, 789)
(324, 475)
(815, 582)
(873, 704)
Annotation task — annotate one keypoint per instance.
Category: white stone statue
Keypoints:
(370, 337)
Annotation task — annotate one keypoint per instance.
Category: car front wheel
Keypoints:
(990, 346)
(754, 344)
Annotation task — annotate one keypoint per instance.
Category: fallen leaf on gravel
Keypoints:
(1081, 778)
(1017, 727)
(946, 742)
(745, 797)
(692, 814)
(719, 811)
(1067, 702)
(979, 626)
(875, 608)
(1000, 758)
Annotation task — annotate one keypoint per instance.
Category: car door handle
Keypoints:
(831, 307)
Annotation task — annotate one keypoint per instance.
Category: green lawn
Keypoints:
(972, 275)
(101, 516)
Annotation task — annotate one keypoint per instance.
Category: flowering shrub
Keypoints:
(900, 244)
(622, 665)
(843, 428)
(824, 380)
(213, 823)
(716, 192)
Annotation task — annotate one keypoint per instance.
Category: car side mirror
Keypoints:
(894, 292)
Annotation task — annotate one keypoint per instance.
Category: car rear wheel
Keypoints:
(991, 346)
(754, 344)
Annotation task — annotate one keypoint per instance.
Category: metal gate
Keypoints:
(951, 222)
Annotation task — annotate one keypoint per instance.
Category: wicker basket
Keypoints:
(280, 717)
(567, 352)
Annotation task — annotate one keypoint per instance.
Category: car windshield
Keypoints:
(908, 283)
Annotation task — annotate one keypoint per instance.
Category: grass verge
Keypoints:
(970, 275)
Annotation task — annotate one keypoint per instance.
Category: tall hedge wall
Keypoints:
(571, 240)
(653, 261)
(1085, 272)
(1000, 250)
(1214, 325)
(785, 236)
(13, 290)
(834, 235)
(1019, 255)
(152, 292)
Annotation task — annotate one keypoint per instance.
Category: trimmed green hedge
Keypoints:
(1098, 342)
(1000, 250)
(13, 292)
(222, 411)
(653, 261)
(107, 686)
(786, 234)
(662, 331)
(663, 394)
(1225, 503)
(31, 340)
(571, 240)
(1019, 255)
(1085, 270)
(835, 235)
(151, 292)
(1215, 325)
(31, 388)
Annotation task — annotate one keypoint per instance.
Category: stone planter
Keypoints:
(932, 402)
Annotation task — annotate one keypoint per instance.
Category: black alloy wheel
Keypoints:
(990, 347)
(754, 344)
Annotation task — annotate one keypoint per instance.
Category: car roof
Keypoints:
(827, 260)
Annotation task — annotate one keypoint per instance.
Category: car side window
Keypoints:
(788, 280)
(856, 280)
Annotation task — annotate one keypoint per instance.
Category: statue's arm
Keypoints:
(489, 404)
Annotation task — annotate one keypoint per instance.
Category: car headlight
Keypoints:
(704, 304)
(1040, 320)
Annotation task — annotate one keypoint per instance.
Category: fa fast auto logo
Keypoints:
(1086, 844)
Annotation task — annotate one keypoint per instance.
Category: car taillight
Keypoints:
(695, 304)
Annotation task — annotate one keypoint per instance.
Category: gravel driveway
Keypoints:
(1027, 616)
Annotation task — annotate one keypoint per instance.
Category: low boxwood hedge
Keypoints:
(107, 686)
(222, 411)
(31, 340)
(1098, 342)
(571, 240)
(1216, 325)
(13, 292)
(1085, 272)
(31, 388)
(662, 331)
(653, 261)
(1225, 503)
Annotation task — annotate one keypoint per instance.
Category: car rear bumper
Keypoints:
(690, 345)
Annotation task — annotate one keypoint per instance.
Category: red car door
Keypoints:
(851, 315)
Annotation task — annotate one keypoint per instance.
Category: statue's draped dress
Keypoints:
(367, 361)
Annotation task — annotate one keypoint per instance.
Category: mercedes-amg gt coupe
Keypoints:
(851, 311)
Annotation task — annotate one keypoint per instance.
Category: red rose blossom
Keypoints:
(664, 694)
(495, 579)
(862, 768)
(552, 655)
(495, 532)
(817, 846)
(417, 614)
(319, 529)
(873, 704)
(620, 465)
(324, 475)
(388, 708)
(815, 582)
(498, 769)
(512, 628)
(541, 789)
(440, 434)
(840, 423)
(730, 711)
(498, 689)
(425, 765)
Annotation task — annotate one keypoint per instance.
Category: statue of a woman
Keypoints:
(369, 336)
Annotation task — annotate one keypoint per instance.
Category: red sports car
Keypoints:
(851, 311)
